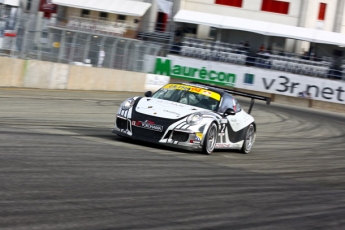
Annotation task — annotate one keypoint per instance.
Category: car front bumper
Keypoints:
(194, 145)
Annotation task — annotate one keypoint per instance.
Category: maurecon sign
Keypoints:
(194, 70)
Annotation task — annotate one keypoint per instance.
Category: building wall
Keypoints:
(150, 17)
(313, 11)
(250, 9)
(309, 16)
(95, 14)
(342, 23)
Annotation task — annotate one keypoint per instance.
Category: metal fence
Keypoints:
(78, 47)
(91, 46)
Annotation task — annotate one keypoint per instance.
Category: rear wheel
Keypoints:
(249, 139)
(210, 139)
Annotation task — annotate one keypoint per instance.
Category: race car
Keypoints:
(192, 116)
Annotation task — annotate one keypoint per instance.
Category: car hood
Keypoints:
(166, 109)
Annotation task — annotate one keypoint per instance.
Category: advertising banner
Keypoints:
(251, 78)
(191, 69)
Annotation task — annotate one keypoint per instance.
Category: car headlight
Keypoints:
(127, 104)
(194, 119)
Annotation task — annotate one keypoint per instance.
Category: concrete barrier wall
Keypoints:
(11, 72)
(328, 106)
(46, 75)
(303, 102)
(88, 78)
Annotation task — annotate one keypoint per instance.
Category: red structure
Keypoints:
(235, 3)
(322, 11)
(48, 8)
(274, 6)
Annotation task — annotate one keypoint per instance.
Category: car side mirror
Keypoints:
(229, 111)
(148, 94)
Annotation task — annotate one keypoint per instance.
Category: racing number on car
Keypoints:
(222, 128)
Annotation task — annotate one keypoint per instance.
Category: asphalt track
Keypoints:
(61, 168)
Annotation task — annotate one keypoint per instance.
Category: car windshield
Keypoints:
(190, 95)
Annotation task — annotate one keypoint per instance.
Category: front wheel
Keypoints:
(249, 139)
(210, 139)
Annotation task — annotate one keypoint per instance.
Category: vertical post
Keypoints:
(39, 39)
(303, 11)
(339, 16)
(171, 19)
(14, 40)
(50, 38)
(74, 41)
(38, 27)
(171, 28)
(144, 65)
(266, 41)
(156, 50)
(102, 42)
(136, 56)
(25, 37)
(251, 105)
(87, 48)
(101, 46)
(62, 45)
(148, 49)
(113, 53)
(124, 64)
(219, 34)
(172, 38)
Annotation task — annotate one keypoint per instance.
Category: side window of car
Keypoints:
(225, 103)
(238, 106)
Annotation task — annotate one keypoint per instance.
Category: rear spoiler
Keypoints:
(239, 93)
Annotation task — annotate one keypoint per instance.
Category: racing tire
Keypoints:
(249, 139)
(210, 139)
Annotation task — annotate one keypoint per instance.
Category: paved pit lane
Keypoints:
(61, 168)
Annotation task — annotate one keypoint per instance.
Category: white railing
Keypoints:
(234, 53)
(98, 26)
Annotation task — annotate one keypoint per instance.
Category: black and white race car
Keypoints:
(191, 116)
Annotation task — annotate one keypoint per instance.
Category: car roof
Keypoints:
(214, 89)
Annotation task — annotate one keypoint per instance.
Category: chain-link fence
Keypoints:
(90, 42)
(76, 46)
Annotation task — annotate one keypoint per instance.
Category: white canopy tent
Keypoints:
(260, 27)
(125, 7)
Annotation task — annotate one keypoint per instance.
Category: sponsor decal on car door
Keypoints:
(237, 126)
